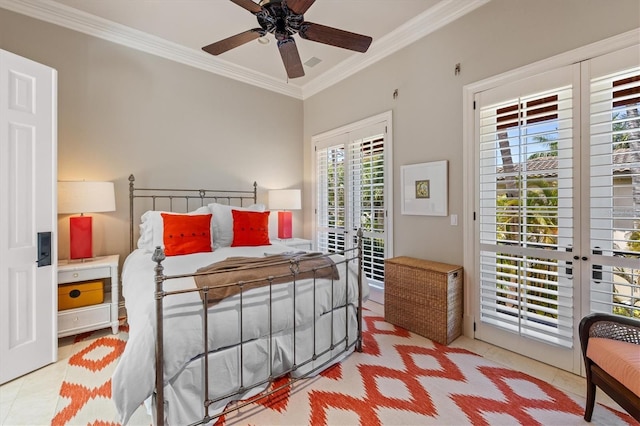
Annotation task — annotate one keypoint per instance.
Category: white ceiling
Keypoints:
(178, 29)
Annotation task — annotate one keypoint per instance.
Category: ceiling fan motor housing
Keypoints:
(279, 20)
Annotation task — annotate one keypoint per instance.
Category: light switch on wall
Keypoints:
(454, 220)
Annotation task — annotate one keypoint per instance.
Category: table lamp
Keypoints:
(285, 200)
(83, 197)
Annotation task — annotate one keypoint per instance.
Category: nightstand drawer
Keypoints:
(83, 274)
(82, 318)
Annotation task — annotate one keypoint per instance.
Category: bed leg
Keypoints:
(158, 257)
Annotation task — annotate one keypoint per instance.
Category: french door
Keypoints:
(614, 190)
(558, 202)
(352, 191)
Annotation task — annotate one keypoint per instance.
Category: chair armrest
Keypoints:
(608, 326)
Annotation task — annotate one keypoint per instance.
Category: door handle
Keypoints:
(597, 269)
(569, 270)
(44, 249)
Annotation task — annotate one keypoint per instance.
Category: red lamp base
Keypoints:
(284, 225)
(80, 246)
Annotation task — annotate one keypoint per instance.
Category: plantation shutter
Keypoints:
(350, 195)
(366, 201)
(330, 202)
(615, 183)
(525, 207)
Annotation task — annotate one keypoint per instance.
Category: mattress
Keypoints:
(287, 312)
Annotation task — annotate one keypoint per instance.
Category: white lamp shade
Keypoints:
(285, 199)
(86, 197)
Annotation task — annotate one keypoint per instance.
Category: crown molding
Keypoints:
(432, 19)
(436, 17)
(64, 16)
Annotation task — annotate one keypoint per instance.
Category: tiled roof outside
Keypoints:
(623, 160)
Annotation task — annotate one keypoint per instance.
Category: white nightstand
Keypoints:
(294, 242)
(92, 317)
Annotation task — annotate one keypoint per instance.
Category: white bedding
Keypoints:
(134, 378)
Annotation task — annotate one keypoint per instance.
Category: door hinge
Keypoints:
(474, 215)
(474, 326)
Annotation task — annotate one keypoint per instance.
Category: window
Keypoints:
(352, 192)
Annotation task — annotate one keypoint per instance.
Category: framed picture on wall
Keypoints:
(424, 189)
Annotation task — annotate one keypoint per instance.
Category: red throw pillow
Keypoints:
(250, 228)
(186, 234)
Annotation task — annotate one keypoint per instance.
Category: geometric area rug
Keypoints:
(85, 393)
(399, 379)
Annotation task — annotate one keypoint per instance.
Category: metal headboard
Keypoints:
(230, 197)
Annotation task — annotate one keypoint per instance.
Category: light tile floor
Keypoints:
(32, 399)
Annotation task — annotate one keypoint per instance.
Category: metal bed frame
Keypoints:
(238, 197)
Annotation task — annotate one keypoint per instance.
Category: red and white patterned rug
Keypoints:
(399, 379)
(85, 393)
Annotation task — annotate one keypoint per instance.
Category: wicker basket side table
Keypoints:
(424, 297)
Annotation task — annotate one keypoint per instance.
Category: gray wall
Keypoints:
(122, 111)
(427, 115)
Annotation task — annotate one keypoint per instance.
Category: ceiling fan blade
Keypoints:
(249, 5)
(335, 37)
(234, 41)
(299, 7)
(290, 57)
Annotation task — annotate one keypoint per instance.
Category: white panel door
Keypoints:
(28, 140)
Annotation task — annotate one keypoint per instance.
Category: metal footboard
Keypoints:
(349, 256)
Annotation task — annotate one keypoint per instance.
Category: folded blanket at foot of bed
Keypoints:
(221, 278)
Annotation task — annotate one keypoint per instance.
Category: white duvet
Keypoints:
(134, 379)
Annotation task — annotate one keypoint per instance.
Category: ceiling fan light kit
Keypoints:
(283, 19)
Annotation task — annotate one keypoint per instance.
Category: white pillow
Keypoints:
(145, 241)
(152, 228)
(222, 222)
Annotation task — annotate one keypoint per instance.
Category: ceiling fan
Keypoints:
(284, 18)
